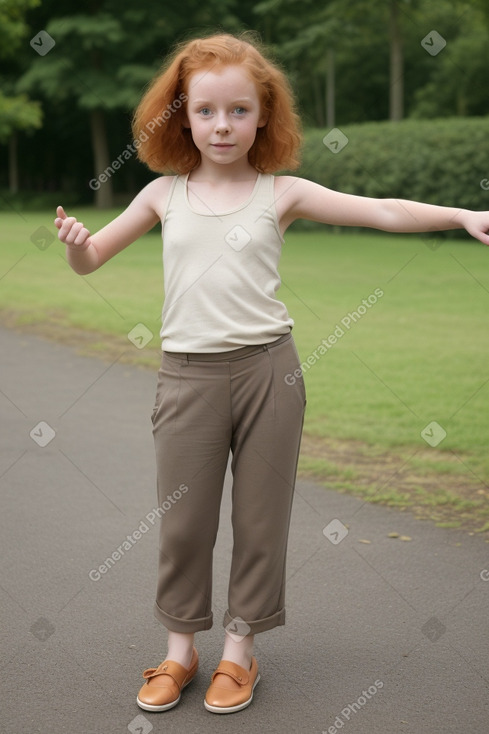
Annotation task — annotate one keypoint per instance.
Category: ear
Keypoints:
(185, 121)
(263, 120)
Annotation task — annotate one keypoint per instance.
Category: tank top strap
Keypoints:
(261, 200)
(171, 196)
(264, 194)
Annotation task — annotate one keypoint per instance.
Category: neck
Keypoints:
(223, 174)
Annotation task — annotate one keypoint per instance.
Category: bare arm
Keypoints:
(307, 200)
(85, 252)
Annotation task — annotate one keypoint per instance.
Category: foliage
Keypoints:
(13, 24)
(437, 161)
(17, 112)
(107, 51)
(458, 83)
(359, 32)
(105, 55)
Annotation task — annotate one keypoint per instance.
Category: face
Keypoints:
(223, 113)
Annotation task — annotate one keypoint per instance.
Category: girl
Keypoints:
(221, 117)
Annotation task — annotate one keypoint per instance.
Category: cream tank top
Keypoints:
(221, 273)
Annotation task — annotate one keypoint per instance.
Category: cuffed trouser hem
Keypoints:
(186, 626)
(243, 627)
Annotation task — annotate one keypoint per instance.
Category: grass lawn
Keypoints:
(417, 354)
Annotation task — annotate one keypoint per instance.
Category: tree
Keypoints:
(457, 85)
(102, 60)
(17, 111)
(85, 68)
(16, 114)
(304, 37)
(348, 61)
(396, 97)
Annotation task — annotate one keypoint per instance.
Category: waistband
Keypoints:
(231, 355)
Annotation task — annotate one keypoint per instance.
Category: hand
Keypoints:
(477, 225)
(71, 232)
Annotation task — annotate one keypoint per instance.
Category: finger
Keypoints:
(64, 226)
(73, 233)
(61, 216)
(82, 236)
(65, 233)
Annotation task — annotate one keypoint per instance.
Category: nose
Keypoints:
(222, 123)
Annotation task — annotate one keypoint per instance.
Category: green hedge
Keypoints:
(437, 161)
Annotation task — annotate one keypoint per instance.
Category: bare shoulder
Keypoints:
(287, 185)
(156, 193)
(291, 189)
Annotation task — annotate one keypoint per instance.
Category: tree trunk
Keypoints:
(330, 89)
(396, 100)
(102, 181)
(13, 165)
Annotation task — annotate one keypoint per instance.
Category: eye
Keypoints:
(240, 110)
(205, 111)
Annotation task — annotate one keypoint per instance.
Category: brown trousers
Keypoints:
(206, 406)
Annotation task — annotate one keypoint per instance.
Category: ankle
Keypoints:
(180, 648)
(178, 656)
(239, 651)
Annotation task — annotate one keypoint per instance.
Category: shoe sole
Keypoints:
(163, 707)
(232, 709)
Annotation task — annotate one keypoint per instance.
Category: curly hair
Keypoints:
(165, 144)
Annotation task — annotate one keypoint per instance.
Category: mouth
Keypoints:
(222, 145)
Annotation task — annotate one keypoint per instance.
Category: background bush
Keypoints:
(439, 161)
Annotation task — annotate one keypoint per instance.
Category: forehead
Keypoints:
(221, 83)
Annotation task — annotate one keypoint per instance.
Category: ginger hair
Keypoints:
(165, 144)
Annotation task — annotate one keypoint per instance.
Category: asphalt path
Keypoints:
(387, 636)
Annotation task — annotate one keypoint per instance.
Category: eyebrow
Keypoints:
(202, 100)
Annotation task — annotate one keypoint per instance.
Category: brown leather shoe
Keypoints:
(231, 687)
(164, 684)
